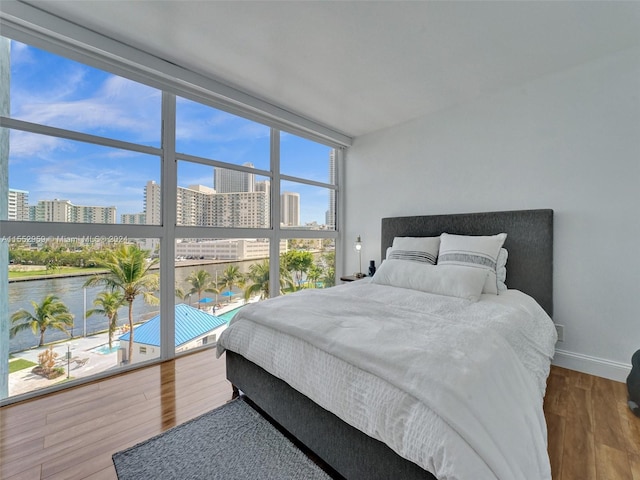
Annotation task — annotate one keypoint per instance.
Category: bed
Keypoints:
(371, 421)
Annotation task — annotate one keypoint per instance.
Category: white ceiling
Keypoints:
(360, 66)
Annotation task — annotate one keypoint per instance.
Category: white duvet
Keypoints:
(452, 385)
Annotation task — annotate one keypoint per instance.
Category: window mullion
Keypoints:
(289, 178)
(340, 211)
(77, 136)
(274, 256)
(167, 241)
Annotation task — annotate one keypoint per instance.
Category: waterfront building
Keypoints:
(64, 211)
(199, 205)
(18, 205)
(235, 249)
(193, 328)
(133, 218)
(192, 204)
(238, 209)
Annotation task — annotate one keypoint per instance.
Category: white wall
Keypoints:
(569, 141)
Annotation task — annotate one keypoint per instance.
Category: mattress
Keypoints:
(452, 385)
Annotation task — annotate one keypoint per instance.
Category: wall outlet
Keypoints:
(560, 330)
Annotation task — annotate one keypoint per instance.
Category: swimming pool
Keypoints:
(230, 314)
(104, 349)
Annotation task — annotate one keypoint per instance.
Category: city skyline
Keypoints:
(53, 91)
(62, 210)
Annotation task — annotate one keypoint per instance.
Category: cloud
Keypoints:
(24, 145)
(65, 94)
(21, 54)
(208, 125)
(97, 176)
(106, 188)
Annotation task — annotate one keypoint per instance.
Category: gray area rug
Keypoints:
(233, 442)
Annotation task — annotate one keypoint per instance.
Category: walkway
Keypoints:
(84, 349)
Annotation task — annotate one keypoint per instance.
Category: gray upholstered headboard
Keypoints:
(529, 242)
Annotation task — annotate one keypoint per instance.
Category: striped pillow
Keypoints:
(416, 249)
(473, 251)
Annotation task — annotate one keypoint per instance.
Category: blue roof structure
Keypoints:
(190, 323)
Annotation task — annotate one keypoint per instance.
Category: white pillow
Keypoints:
(473, 251)
(449, 280)
(416, 249)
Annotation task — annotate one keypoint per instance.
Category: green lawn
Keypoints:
(58, 271)
(20, 364)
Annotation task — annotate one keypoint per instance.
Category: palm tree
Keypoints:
(200, 281)
(230, 277)
(314, 274)
(182, 295)
(329, 277)
(258, 277)
(50, 313)
(128, 272)
(107, 304)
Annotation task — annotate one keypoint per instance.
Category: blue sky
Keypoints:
(51, 90)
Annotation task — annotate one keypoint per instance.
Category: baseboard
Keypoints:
(599, 367)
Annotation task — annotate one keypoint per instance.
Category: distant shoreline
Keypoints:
(179, 264)
(49, 276)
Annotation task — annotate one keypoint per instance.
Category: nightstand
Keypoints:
(351, 278)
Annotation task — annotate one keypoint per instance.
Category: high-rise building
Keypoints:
(239, 209)
(18, 205)
(152, 208)
(231, 181)
(202, 206)
(290, 209)
(133, 219)
(192, 204)
(263, 186)
(65, 211)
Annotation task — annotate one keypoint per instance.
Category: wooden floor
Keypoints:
(72, 434)
(592, 432)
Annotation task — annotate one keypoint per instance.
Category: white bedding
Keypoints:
(452, 385)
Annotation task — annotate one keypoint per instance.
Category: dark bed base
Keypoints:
(347, 450)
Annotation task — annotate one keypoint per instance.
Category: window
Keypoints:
(206, 132)
(50, 90)
(90, 180)
(307, 263)
(52, 179)
(308, 184)
(303, 158)
(306, 206)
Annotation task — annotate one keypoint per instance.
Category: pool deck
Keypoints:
(83, 349)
